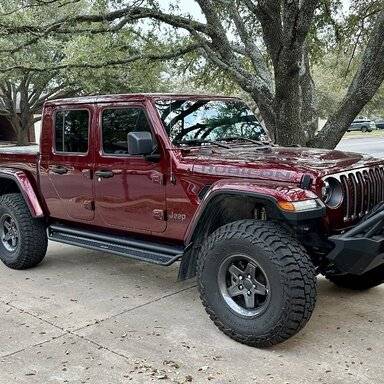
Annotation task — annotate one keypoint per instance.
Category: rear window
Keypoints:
(71, 131)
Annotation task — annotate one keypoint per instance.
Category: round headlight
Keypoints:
(332, 193)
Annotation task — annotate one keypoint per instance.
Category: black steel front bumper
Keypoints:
(361, 248)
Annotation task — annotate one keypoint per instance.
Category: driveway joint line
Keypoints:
(74, 332)
(134, 308)
(53, 338)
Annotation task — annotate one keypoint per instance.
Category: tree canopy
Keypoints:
(274, 52)
(62, 65)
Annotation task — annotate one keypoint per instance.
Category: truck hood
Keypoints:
(275, 163)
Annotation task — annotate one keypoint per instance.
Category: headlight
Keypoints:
(332, 193)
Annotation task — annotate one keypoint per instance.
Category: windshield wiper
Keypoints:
(200, 141)
(234, 138)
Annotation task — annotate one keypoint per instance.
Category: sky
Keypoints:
(191, 7)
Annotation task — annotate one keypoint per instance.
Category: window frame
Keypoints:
(131, 106)
(66, 109)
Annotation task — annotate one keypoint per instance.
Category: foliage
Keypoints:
(59, 65)
(295, 60)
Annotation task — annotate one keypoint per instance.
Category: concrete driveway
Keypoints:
(88, 317)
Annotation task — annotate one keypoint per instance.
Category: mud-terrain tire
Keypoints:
(23, 239)
(282, 266)
(363, 282)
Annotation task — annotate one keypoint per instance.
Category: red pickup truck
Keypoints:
(167, 178)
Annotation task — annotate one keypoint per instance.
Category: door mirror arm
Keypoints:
(153, 157)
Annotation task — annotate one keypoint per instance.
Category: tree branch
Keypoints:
(251, 50)
(150, 57)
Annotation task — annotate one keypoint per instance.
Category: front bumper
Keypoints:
(361, 248)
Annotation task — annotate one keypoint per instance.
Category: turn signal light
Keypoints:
(299, 206)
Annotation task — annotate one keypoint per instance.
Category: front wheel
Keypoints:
(256, 282)
(23, 239)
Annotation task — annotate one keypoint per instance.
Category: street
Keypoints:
(88, 317)
(372, 144)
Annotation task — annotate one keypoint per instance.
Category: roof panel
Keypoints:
(131, 97)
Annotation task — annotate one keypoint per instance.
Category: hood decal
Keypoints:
(243, 172)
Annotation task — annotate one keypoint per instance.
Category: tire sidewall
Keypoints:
(33, 239)
(7, 256)
(260, 323)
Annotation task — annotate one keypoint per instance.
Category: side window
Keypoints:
(71, 131)
(117, 123)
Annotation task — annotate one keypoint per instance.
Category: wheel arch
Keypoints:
(17, 181)
(229, 201)
(220, 208)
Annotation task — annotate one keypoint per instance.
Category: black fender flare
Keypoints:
(270, 203)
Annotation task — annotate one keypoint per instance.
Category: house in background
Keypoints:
(8, 134)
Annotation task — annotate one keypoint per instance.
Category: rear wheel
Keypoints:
(256, 282)
(359, 282)
(23, 239)
(364, 129)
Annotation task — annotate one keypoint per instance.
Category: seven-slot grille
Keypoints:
(362, 189)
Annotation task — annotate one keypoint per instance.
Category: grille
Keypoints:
(363, 189)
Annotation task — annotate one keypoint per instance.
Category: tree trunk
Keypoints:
(22, 137)
(25, 116)
(287, 98)
(309, 106)
(21, 132)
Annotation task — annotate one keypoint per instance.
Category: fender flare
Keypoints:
(269, 201)
(22, 181)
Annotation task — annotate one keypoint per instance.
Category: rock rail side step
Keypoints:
(130, 247)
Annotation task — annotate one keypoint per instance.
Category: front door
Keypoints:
(129, 190)
(67, 183)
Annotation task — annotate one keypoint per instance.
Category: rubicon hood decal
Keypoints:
(225, 170)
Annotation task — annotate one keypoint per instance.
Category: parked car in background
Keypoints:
(379, 124)
(362, 124)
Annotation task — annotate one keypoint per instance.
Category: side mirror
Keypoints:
(140, 143)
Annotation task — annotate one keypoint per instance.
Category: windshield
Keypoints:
(209, 121)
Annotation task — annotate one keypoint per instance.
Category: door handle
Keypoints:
(104, 174)
(59, 169)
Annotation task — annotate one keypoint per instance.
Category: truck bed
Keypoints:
(11, 149)
(22, 158)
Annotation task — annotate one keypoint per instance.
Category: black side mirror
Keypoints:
(140, 143)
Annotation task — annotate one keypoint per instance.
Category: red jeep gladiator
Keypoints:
(166, 178)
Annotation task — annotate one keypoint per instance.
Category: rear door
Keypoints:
(129, 190)
(69, 191)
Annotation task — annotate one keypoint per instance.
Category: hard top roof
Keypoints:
(133, 97)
